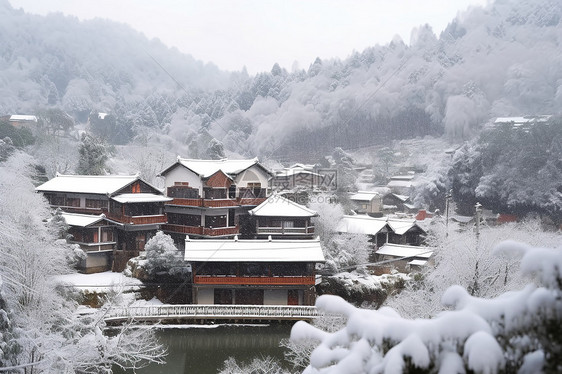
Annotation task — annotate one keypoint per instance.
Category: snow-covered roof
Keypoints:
(94, 184)
(400, 183)
(211, 250)
(402, 198)
(302, 166)
(279, 206)
(407, 177)
(364, 224)
(364, 196)
(399, 250)
(291, 172)
(401, 226)
(140, 198)
(526, 119)
(23, 117)
(206, 168)
(462, 219)
(82, 220)
(417, 262)
(361, 224)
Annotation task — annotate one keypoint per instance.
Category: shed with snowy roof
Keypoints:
(367, 202)
(281, 218)
(404, 257)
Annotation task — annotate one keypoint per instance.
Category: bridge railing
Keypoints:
(212, 312)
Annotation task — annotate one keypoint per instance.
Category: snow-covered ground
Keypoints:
(100, 282)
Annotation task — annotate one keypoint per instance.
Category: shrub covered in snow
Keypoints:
(517, 331)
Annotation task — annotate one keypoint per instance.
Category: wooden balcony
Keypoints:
(217, 203)
(139, 220)
(251, 201)
(186, 202)
(259, 281)
(286, 230)
(202, 231)
(220, 203)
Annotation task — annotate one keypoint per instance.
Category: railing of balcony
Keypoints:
(138, 220)
(217, 203)
(264, 281)
(198, 230)
(286, 230)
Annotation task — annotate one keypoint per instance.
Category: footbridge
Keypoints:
(170, 314)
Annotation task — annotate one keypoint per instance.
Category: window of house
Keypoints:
(56, 200)
(96, 203)
(72, 201)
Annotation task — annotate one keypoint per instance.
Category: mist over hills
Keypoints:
(502, 60)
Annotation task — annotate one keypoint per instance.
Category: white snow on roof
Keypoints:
(206, 168)
(417, 262)
(364, 196)
(400, 183)
(398, 250)
(81, 220)
(402, 198)
(364, 224)
(279, 206)
(401, 226)
(521, 120)
(211, 250)
(291, 172)
(408, 177)
(94, 184)
(140, 198)
(102, 115)
(23, 117)
(361, 224)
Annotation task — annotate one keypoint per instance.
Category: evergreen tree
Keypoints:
(93, 155)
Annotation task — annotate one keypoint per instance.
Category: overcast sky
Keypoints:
(259, 33)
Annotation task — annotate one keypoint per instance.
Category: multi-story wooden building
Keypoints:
(96, 235)
(211, 196)
(135, 206)
(255, 272)
(282, 218)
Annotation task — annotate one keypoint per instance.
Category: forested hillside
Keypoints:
(499, 61)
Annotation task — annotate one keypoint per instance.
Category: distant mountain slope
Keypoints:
(82, 65)
(502, 60)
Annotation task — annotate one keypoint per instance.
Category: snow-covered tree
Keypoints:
(518, 331)
(162, 256)
(93, 156)
(215, 150)
(46, 333)
(463, 258)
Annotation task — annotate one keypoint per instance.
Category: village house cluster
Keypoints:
(245, 241)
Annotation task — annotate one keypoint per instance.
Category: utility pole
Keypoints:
(447, 202)
(478, 210)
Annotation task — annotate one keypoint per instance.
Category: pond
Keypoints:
(203, 349)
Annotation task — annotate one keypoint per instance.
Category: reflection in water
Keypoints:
(202, 350)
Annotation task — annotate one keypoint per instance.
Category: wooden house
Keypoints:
(253, 272)
(137, 206)
(280, 218)
(97, 237)
(23, 120)
(383, 229)
(210, 196)
(404, 258)
(402, 184)
(368, 202)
